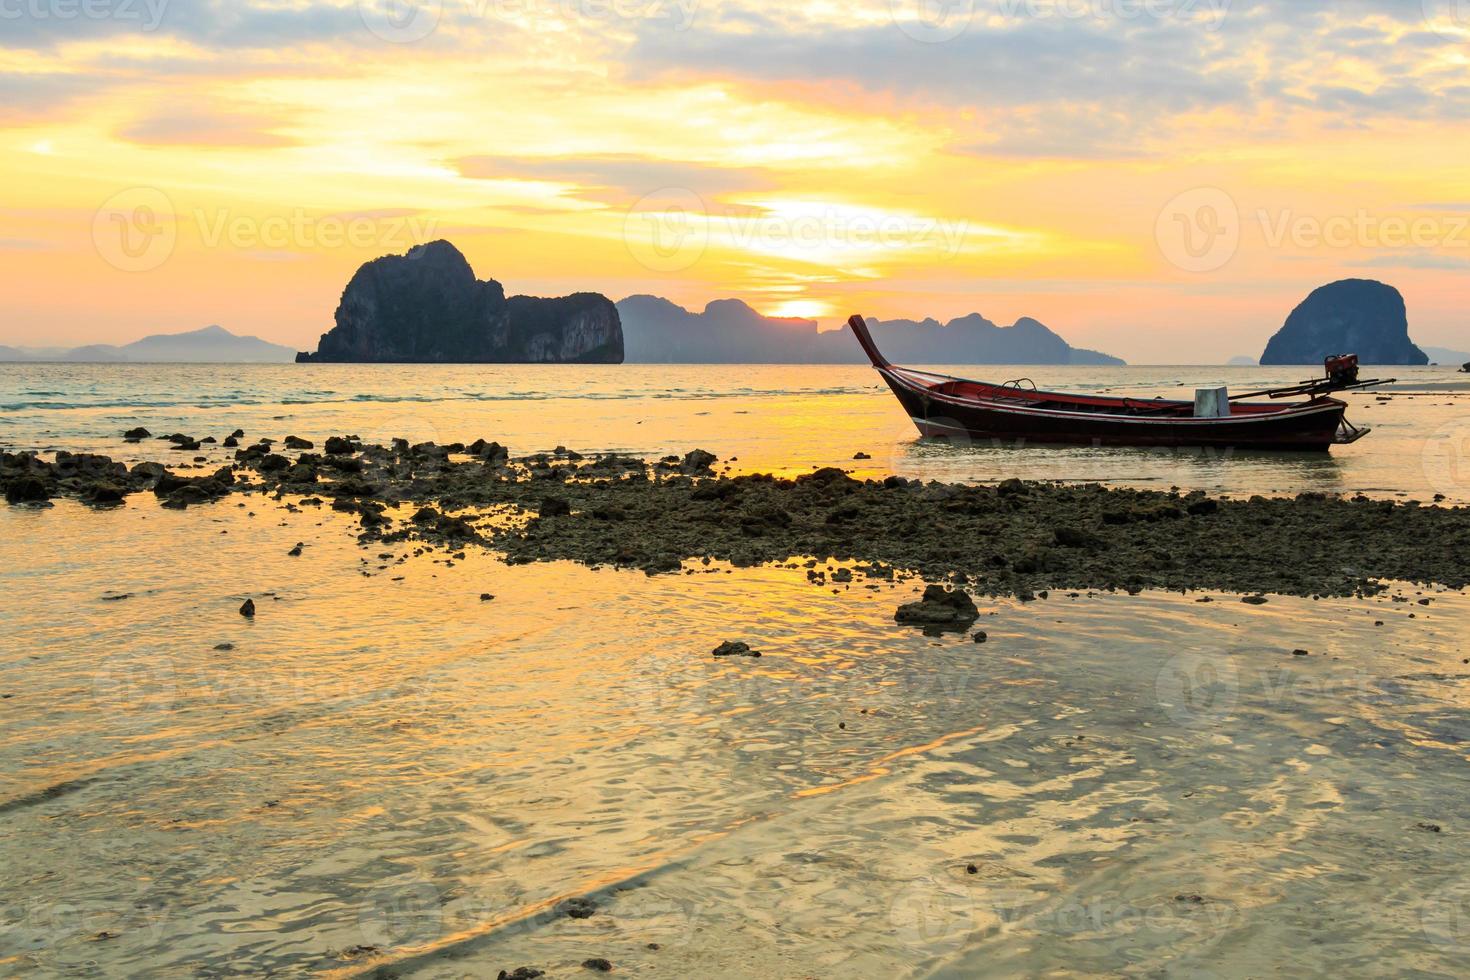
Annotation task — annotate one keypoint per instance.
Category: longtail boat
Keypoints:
(943, 406)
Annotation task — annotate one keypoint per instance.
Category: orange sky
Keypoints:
(1159, 179)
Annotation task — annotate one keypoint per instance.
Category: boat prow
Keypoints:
(1016, 411)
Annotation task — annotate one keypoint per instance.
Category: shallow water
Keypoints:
(383, 760)
(772, 418)
(386, 771)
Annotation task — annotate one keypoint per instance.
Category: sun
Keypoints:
(805, 309)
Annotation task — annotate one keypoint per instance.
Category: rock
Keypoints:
(735, 648)
(491, 452)
(520, 973)
(697, 462)
(599, 964)
(428, 307)
(941, 609)
(295, 442)
(1254, 600)
(1301, 653)
(224, 646)
(1011, 488)
(138, 433)
(338, 446)
(238, 434)
(247, 609)
(486, 597)
(981, 636)
(578, 908)
(1354, 316)
(555, 507)
(26, 489)
(1432, 828)
(230, 442)
(1202, 508)
(1071, 537)
(102, 494)
(272, 462)
(861, 455)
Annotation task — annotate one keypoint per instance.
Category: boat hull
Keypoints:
(1312, 428)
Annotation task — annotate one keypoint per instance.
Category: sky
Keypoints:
(1159, 179)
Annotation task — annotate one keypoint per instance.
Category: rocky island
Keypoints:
(427, 307)
(1354, 316)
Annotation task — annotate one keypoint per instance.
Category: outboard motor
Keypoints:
(1342, 369)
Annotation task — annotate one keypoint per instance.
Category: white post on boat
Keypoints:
(1211, 403)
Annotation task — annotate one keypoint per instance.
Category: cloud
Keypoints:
(1412, 260)
(29, 96)
(618, 179)
(204, 125)
(1340, 59)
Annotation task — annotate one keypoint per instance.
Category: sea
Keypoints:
(382, 774)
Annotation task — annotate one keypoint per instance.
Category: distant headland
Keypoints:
(731, 332)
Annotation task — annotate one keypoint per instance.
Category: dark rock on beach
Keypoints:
(1017, 538)
(735, 648)
(940, 608)
(26, 489)
(578, 908)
